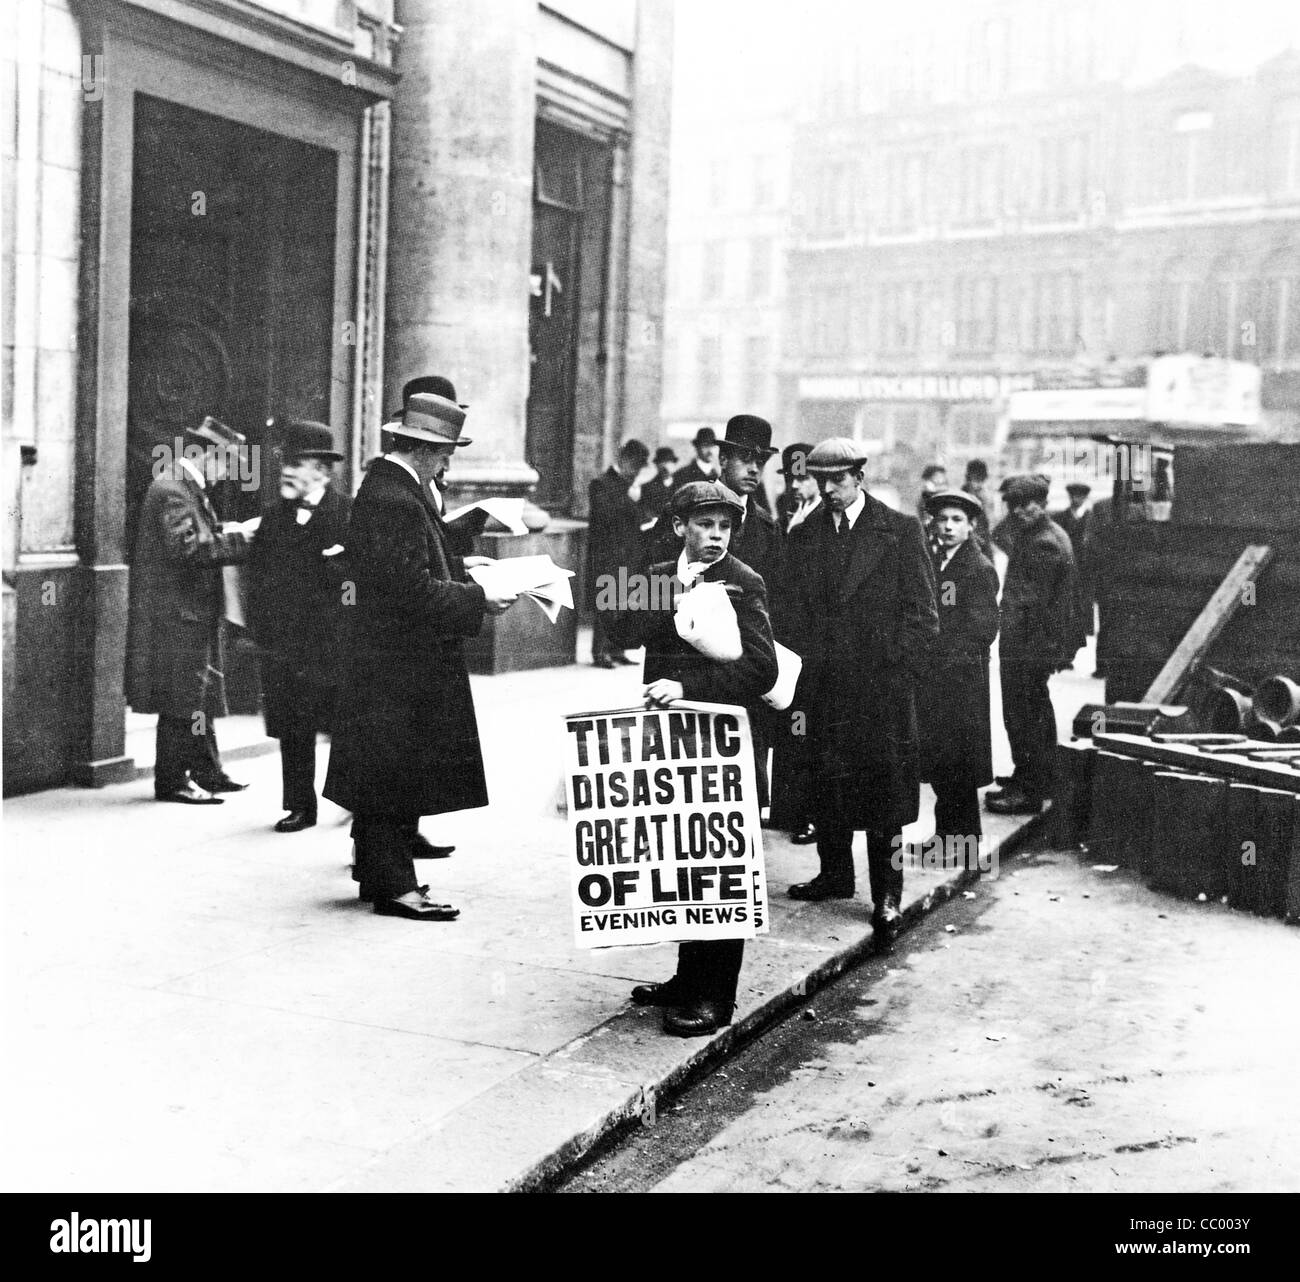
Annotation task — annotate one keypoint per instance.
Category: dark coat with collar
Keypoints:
(1039, 599)
(613, 530)
(296, 613)
(174, 664)
(406, 738)
(864, 636)
(952, 701)
(758, 543)
(741, 681)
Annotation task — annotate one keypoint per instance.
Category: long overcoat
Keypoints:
(405, 737)
(296, 610)
(613, 530)
(174, 663)
(864, 635)
(952, 702)
(1038, 599)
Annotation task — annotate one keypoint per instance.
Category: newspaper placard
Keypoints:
(665, 842)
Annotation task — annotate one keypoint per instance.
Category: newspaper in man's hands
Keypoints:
(537, 577)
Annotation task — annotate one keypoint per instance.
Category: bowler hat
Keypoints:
(213, 431)
(1078, 487)
(749, 432)
(839, 454)
(698, 494)
(433, 419)
(794, 458)
(304, 439)
(704, 436)
(953, 498)
(1026, 489)
(665, 455)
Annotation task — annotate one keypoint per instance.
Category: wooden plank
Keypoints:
(1267, 774)
(1211, 621)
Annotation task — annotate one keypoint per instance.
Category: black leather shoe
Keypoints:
(669, 993)
(1011, 801)
(296, 821)
(885, 922)
(602, 661)
(368, 896)
(425, 910)
(804, 836)
(222, 783)
(699, 1019)
(821, 888)
(423, 848)
(190, 795)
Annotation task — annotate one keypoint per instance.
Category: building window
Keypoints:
(709, 372)
(718, 182)
(832, 213)
(758, 363)
(979, 183)
(905, 194)
(760, 268)
(1184, 321)
(828, 328)
(987, 65)
(714, 269)
(764, 186)
(900, 319)
(1278, 335)
(1190, 168)
(972, 427)
(1286, 147)
(1054, 313)
(975, 306)
(1062, 174)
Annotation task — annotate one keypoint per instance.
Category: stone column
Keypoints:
(460, 225)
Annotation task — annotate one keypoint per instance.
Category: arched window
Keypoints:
(1279, 293)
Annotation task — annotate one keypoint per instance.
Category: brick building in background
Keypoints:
(266, 209)
(1021, 192)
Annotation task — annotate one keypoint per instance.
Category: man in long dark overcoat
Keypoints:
(613, 543)
(174, 660)
(406, 738)
(1039, 637)
(296, 573)
(953, 700)
(861, 611)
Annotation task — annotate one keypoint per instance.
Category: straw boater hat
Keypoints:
(214, 432)
(436, 420)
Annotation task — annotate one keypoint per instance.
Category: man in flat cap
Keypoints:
(704, 466)
(1038, 638)
(296, 573)
(861, 606)
(406, 738)
(613, 541)
(701, 996)
(952, 704)
(1076, 521)
(174, 661)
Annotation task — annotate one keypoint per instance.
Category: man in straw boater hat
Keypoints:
(861, 611)
(174, 663)
(701, 996)
(406, 738)
(296, 575)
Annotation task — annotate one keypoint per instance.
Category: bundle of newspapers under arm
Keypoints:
(537, 577)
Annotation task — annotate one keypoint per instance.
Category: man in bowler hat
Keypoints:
(701, 996)
(862, 613)
(174, 643)
(296, 609)
(406, 739)
(704, 466)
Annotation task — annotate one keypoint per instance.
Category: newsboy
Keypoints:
(174, 644)
(861, 611)
(701, 996)
(296, 608)
(953, 699)
(406, 739)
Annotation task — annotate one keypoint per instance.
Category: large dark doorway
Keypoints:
(232, 287)
(566, 323)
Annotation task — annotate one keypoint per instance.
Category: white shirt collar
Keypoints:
(854, 509)
(688, 572)
(198, 476)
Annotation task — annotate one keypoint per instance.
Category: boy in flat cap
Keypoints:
(860, 601)
(952, 703)
(174, 644)
(702, 995)
(296, 572)
(1038, 638)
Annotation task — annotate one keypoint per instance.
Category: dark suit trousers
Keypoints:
(956, 807)
(298, 772)
(180, 753)
(710, 969)
(835, 850)
(1031, 725)
(384, 868)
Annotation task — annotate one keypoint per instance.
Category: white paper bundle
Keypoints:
(706, 619)
(788, 667)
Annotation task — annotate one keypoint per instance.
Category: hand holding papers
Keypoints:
(537, 577)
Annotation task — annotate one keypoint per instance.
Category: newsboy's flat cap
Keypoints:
(940, 499)
(697, 494)
(1026, 489)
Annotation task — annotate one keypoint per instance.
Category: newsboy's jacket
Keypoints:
(1038, 599)
(953, 698)
(862, 615)
(174, 664)
(405, 738)
(296, 610)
